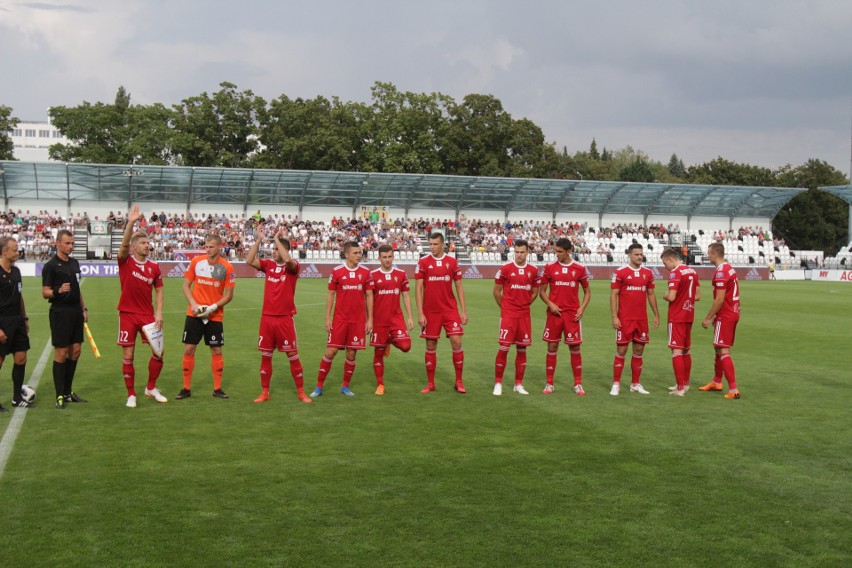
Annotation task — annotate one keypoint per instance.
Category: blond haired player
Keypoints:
(208, 286)
(139, 276)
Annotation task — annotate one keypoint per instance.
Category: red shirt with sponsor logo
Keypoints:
(279, 291)
(209, 281)
(519, 284)
(137, 282)
(725, 281)
(438, 275)
(564, 281)
(387, 287)
(350, 287)
(684, 280)
(632, 285)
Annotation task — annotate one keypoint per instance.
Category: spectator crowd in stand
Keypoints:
(169, 233)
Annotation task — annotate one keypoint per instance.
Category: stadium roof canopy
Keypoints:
(844, 192)
(296, 188)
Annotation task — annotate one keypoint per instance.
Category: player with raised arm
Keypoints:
(389, 325)
(14, 323)
(683, 291)
(724, 314)
(350, 299)
(435, 276)
(60, 285)
(138, 277)
(631, 287)
(515, 288)
(208, 286)
(560, 290)
(277, 328)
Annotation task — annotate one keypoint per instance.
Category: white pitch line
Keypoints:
(18, 415)
(17, 421)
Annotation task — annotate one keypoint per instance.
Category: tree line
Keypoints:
(402, 132)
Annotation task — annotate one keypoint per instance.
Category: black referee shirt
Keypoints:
(10, 292)
(57, 272)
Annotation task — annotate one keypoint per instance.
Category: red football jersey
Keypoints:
(725, 281)
(387, 287)
(279, 291)
(438, 275)
(137, 282)
(519, 284)
(350, 286)
(632, 285)
(564, 281)
(685, 280)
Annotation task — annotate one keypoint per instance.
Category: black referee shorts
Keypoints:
(66, 326)
(17, 339)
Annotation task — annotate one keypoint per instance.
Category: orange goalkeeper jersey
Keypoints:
(209, 281)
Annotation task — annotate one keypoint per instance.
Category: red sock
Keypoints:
(297, 371)
(431, 363)
(129, 373)
(379, 364)
(728, 368)
(265, 369)
(679, 369)
(325, 367)
(155, 367)
(717, 369)
(550, 366)
(617, 368)
(577, 367)
(458, 363)
(188, 366)
(520, 365)
(687, 368)
(348, 371)
(217, 365)
(635, 369)
(500, 363)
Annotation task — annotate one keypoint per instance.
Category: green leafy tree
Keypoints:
(478, 137)
(676, 167)
(637, 170)
(7, 124)
(593, 150)
(218, 130)
(724, 172)
(118, 133)
(814, 219)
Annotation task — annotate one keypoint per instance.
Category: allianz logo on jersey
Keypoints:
(310, 271)
(753, 274)
(178, 271)
(472, 273)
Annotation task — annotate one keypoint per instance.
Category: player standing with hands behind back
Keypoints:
(138, 276)
(60, 280)
(631, 287)
(14, 323)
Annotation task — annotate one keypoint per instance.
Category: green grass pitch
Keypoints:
(443, 479)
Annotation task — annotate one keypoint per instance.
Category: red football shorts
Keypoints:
(724, 333)
(129, 325)
(680, 335)
(347, 335)
(632, 331)
(555, 327)
(450, 321)
(384, 334)
(277, 332)
(515, 331)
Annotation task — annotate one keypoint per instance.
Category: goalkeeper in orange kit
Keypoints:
(208, 286)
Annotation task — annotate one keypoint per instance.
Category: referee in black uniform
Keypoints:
(14, 323)
(60, 279)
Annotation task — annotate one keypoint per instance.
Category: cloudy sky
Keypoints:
(767, 82)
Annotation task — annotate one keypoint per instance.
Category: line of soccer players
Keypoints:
(363, 303)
